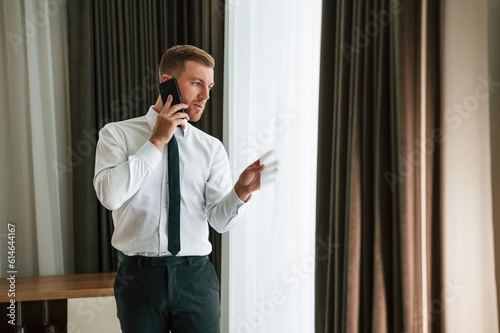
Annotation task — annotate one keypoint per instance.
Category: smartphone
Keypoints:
(170, 87)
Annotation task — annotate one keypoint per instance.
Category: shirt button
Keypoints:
(166, 181)
(165, 204)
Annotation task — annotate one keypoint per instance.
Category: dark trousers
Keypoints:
(158, 294)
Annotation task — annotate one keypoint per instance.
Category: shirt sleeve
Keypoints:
(118, 175)
(224, 206)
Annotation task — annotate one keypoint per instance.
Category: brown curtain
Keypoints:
(370, 168)
(494, 114)
(114, 50)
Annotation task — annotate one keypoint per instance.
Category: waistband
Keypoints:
(142, 261)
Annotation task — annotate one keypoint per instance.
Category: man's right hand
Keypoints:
(168, 120)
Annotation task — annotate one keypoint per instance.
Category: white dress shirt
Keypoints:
(131, 179)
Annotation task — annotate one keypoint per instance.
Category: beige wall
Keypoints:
(92, 314)
(469, 294)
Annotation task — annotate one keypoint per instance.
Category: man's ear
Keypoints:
(165, 77)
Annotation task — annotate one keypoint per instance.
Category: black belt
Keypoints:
(159, 261)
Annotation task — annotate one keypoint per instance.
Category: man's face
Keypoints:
(195, 83)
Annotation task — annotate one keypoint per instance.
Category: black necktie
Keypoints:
(174, 208)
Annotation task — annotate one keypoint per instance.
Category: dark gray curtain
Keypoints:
(369, 206)
(115, 47)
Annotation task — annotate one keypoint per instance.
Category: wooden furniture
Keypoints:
(45, 288)
(39, 288)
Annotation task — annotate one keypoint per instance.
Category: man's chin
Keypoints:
(194, 116)
(194, 120)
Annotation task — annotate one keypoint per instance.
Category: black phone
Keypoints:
(170, 87)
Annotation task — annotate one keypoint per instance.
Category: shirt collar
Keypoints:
(151, 119)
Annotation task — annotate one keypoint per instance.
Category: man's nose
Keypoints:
(205, 93)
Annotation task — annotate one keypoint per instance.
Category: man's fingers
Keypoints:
(174, 109)
(182, 122)
(168, 109)
(272, 165)
(257, 162)
(180, 116)
(178, 107)
(267, 156)
(256, 168)
(270, 171)
(167, 104)
(269, 174)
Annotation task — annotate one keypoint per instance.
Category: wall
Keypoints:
(469, 289)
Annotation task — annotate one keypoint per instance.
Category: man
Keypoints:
(157, 289)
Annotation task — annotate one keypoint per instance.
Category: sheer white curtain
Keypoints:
(34, 125)
(271, 97)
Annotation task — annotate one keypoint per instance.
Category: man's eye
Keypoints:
(196, 84)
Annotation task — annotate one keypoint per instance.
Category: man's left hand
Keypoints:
(249, 180)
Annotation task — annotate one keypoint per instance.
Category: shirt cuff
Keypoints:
(149, 154)
(237, 205)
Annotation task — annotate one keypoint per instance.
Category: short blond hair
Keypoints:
(173, 61)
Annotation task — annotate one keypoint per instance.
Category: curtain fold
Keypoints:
(433, 180)
(35, 138)
(114, 51)
(494, 67)
(271, 93)
(375, 169)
